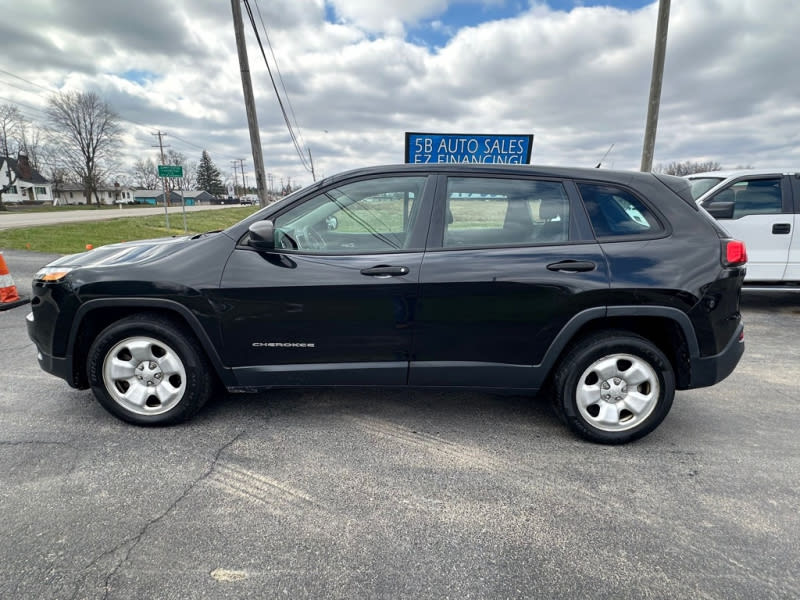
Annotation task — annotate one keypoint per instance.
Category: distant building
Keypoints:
(28, 184)
(74, 193)
(197, 197)
(156, 197)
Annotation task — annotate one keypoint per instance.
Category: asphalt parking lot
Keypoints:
(413, 494)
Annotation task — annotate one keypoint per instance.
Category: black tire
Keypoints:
(148, 370)
(614, 387)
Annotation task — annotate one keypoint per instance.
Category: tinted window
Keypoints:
(614, 211)
(502, 212)
(374, 215)
(700, 185)
(750, 197)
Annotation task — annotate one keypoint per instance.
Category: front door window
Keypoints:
(364, 217)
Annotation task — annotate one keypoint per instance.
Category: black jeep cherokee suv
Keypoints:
(608, 289)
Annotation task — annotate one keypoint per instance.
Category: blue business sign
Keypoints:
(468, 148)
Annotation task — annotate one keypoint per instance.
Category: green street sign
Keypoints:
(170, 171)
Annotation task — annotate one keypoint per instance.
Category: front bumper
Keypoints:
(55, 365)
(708, 370)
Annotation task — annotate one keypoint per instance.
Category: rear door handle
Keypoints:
(385, 271)
(572, 266)
(781, 228)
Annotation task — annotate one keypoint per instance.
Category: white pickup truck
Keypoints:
(761, 207)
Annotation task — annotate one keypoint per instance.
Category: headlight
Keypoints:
(52, 273)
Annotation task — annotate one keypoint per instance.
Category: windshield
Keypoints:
(700, 185)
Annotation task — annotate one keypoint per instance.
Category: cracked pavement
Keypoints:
(387, 494)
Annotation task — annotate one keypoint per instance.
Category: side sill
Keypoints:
(323, 374)
(475, 375)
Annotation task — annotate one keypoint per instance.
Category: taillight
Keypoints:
(735, 253)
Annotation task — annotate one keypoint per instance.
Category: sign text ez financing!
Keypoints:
(468, 148)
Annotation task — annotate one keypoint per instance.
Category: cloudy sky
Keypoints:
(360, 73)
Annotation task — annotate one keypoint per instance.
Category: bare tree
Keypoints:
(87, 132)
(145, 174)
(688, 167)
(11, 123)
(52, 167)
(189, 179)
(31, 143)
(123, 178)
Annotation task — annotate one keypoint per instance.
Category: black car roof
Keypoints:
(623, 177)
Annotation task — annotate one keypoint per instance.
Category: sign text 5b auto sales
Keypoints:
(468, 148)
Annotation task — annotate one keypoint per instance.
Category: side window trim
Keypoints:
(793, 189)
(580, 226)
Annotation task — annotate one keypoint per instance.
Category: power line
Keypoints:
(43, 112)
(286, 120)
(177, 137)
(19, 87)
(30, 106)
(280, 75)
(28, 81)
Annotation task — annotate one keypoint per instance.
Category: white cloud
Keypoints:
(578, 80)
(386, 16)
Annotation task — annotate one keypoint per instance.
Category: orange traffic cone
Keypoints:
(9, 298)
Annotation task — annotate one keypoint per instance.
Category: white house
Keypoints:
(74, 193)
(27, 184)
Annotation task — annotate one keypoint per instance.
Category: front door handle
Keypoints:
(781, 228)
(385, 271)
(572, 266)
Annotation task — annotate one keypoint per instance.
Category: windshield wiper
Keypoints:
(199, 235)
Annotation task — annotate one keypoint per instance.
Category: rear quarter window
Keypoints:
(615, 212)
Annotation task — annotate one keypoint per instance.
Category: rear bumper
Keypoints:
(708, 370)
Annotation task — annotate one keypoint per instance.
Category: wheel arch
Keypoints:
(668, 328)
(95, 315)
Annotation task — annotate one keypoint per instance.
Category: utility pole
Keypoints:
(163, 179)
(311, 160)
(244, 181)
(249, 101)
(235, 178)
(655, 86)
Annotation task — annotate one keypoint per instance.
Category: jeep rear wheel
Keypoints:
(614, 387)
(146, 370)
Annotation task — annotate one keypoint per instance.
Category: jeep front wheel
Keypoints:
(614, 387)
(146, 370)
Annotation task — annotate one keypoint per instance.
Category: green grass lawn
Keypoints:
(69, 238)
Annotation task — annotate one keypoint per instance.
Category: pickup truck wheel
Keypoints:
(147, 371)
(614, 387)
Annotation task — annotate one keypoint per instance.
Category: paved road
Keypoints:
(401, 494)
(9, 220)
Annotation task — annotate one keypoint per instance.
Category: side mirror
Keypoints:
(262, 236)
(720, 210)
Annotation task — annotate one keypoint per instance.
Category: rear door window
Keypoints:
(505, 212)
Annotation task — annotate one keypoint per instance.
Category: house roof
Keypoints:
(78, 187)
(153, 194)
(31, 176)
(195, 193)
